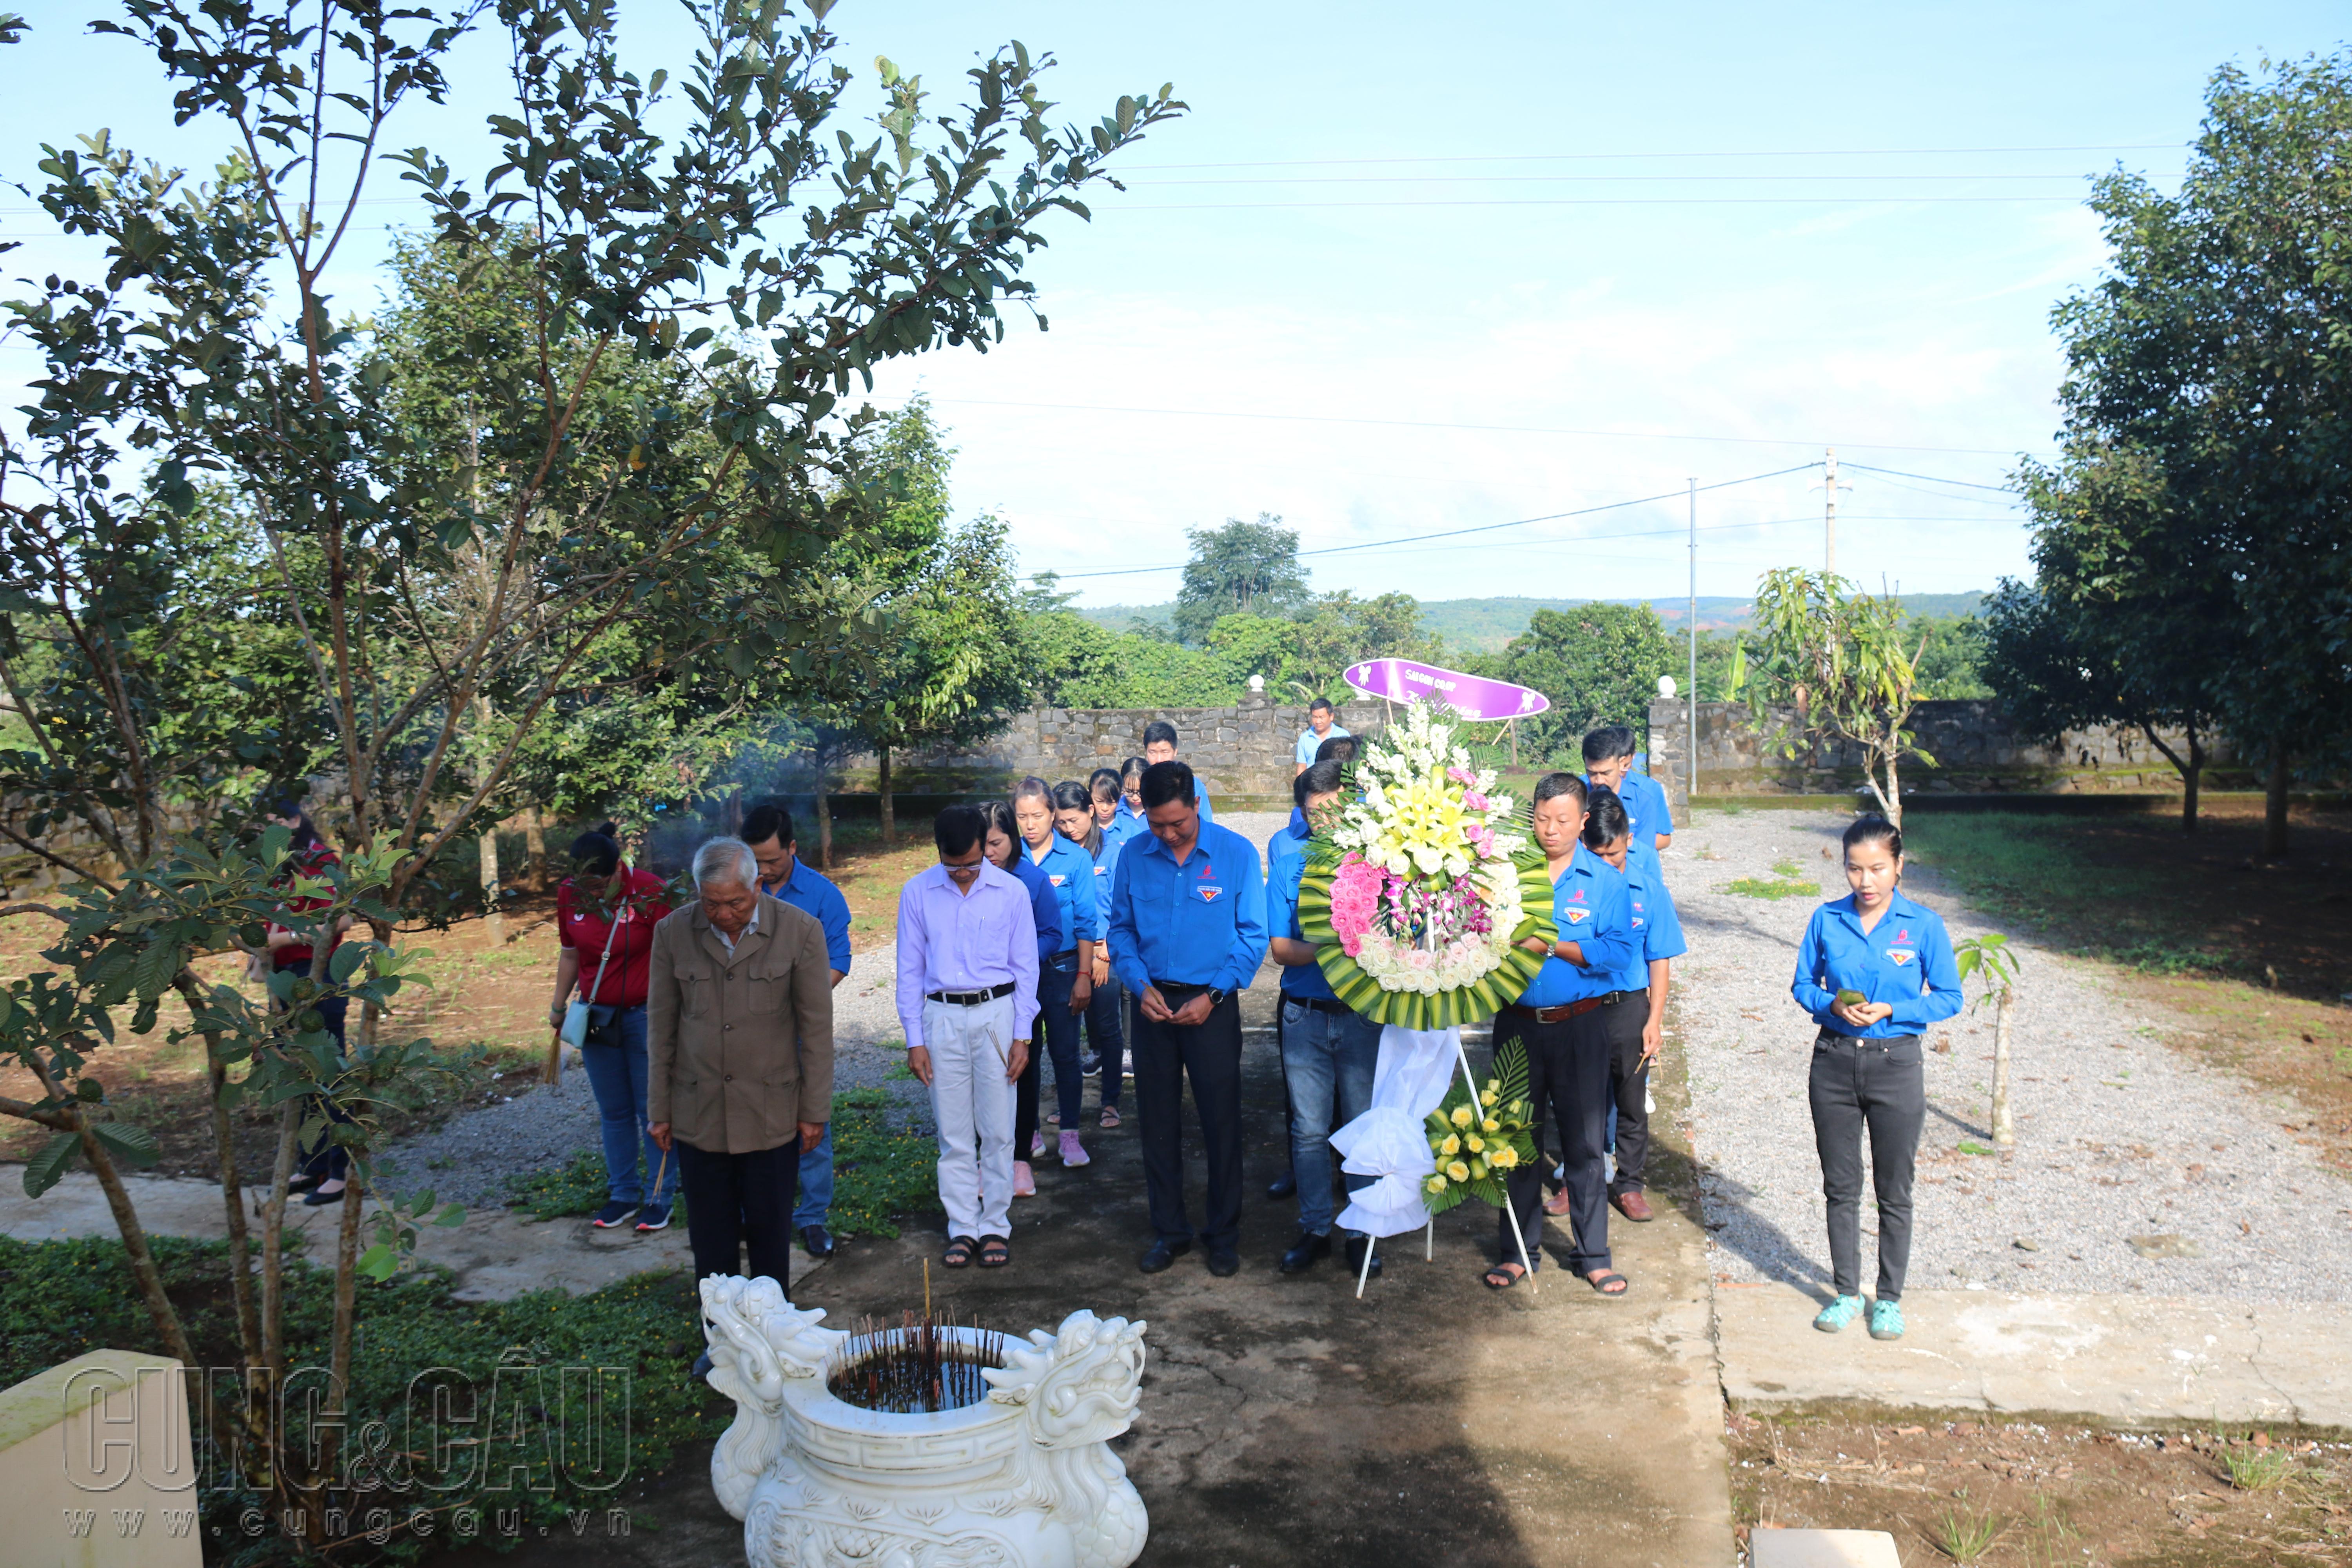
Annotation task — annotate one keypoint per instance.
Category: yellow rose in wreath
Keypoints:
(1458, 1171)
(1477, 1144)
(1451, 1147)
(1490, 1125)
(1489, 1098)
(1461, 1117)
(1436, 1184)
(1504, 1158)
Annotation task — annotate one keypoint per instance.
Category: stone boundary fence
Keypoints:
(1975, 747)
(1244, 750)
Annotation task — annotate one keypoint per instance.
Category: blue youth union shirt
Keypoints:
(1045, 905)
(1589, 904)
(1905, 960)
(1645, 806)
(1106, 861)
(1655, 930)
(1201, 923)
(1282, 875)
(813, 894)
(1072, 871)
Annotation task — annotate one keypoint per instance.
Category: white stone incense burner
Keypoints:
(1024, 1478)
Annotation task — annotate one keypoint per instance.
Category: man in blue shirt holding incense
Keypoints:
(768, 829)
(1559, 1018)
(1187, 934)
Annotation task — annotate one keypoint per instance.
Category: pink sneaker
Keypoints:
(1073, 1152)
(1024, 1186)
(1036, 1145)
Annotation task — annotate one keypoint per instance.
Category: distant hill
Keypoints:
(1485, 625)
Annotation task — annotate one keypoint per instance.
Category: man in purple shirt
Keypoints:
(968, 999)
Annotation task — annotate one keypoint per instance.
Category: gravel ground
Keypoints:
(472, 1156)
(2118, 1137)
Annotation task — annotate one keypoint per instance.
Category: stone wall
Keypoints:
(1976, 748)
(1241, 751)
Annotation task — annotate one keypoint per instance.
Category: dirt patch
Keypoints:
(2047, 1494)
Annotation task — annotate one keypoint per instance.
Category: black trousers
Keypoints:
(1629, 1087)
(1879, 1085)
(1210, 1053)
(734, 1199)
(1568, 1072)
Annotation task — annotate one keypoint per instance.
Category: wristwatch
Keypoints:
(1217, 997)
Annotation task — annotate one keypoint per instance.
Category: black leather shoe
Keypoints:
(1224, 1265)
(1282, 1186)
(1304, 1252)
(818, 1242)
(1356, 1258)
(1163, 1253)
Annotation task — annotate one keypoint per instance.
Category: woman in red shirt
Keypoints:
(325, 1164)
(605, 915)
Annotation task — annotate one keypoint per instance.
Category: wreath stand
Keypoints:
(1429, 1232)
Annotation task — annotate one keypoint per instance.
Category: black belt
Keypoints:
(1639, 994)
(1858, 1041)
(1170, 988)
(1320, 1004)
(1069, 952)
(969, 998)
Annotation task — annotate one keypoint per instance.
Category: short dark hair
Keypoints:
(769, 820)
(1552, 786)
(957, 827)
(597, 853)
(1605, 821)
(1873, 828)
(1338, 749)
(1321, 778)
(1164, 781)
(1608, 743)
(1160, 730)
(1322, 702)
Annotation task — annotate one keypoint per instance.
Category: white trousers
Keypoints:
(971, 1100)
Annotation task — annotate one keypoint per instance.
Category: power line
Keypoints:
(1581, 202)
(1931, 478)
(1591, 179)
(1481, 527)
(1503, 429)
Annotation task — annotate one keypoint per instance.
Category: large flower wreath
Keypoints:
(1418, 899)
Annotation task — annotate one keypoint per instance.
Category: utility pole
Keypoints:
(1690, 762)
(1830, 488)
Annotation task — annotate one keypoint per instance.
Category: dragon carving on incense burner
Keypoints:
(1024, 1478)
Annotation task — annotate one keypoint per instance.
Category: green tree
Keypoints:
(1341, 629)
(413, 579)
(1838, 657)
(1598, 664)
(2211, 354)
(1081, 664)
(2096, 637)
(1256, 644)
(1242, 568)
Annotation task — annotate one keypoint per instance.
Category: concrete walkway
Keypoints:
(496, 1255)
(2131, 1359)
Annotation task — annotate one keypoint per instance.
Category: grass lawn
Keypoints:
(2257, 956)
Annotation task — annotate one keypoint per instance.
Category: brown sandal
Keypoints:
(958, 1252)
(995, 1251)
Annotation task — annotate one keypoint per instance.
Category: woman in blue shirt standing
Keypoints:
(1077, 819)
(1002, 847)
(1066, 979)
(1875, 970)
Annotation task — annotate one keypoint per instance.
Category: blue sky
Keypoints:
(1656, 243)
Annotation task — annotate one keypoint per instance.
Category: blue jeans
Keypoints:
(815, 1184)
(1329, 1058)
(616, 1074)
(1108, 1040)
(1055, 984)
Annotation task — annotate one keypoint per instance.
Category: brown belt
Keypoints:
(1568, 1010)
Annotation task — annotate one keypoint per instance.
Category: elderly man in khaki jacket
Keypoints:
(739, 1070)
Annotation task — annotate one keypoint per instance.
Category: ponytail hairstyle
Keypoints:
(1605, 821)
(1072, 796)
(1034, 788)
(1132, 773)
(996, 817)
(1873, 828)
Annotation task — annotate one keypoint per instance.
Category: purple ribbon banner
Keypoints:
(1472, 696)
